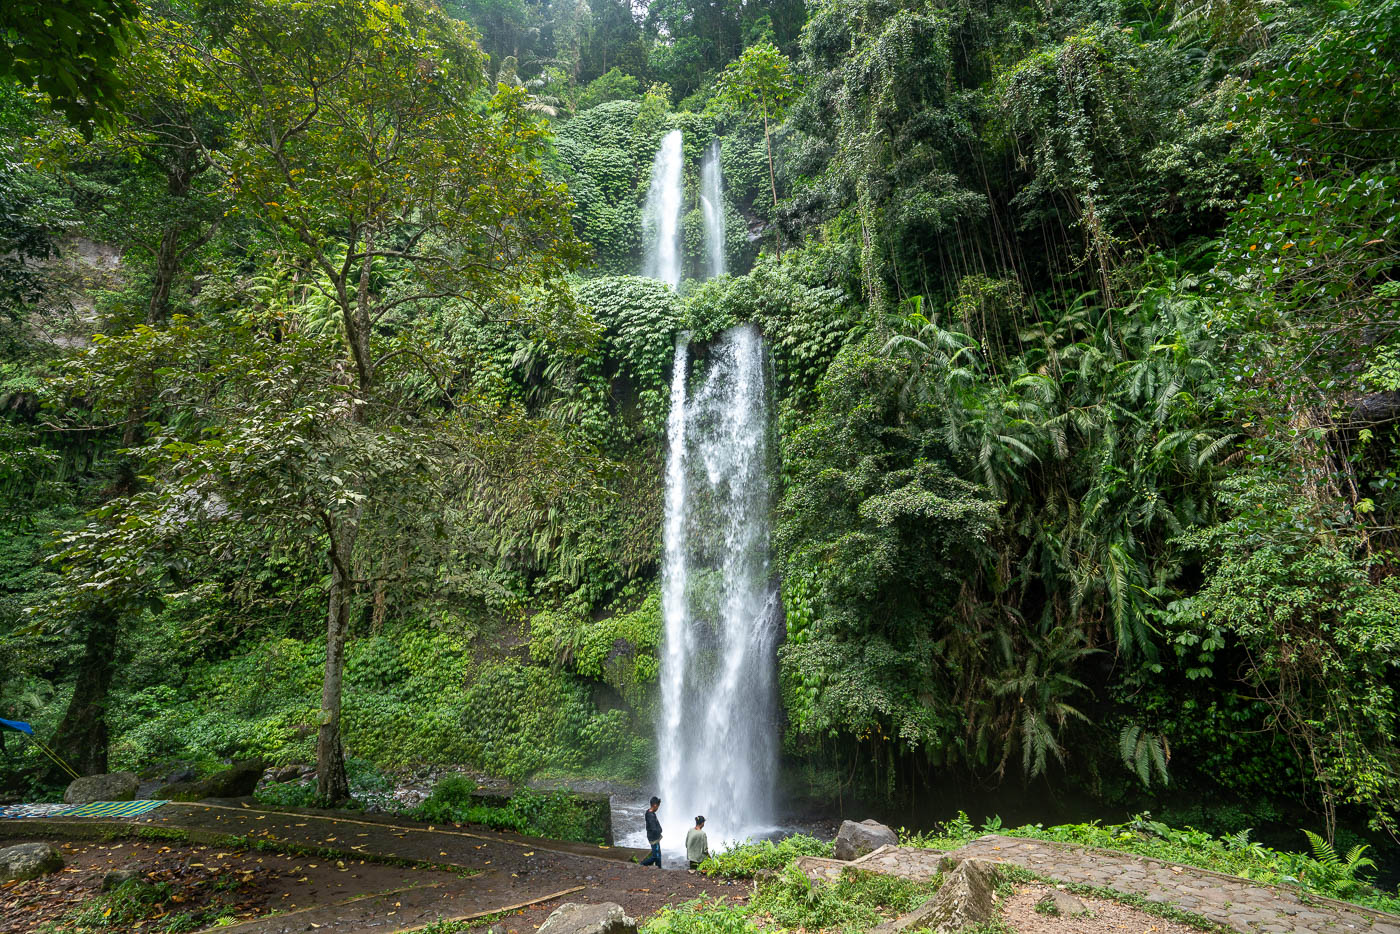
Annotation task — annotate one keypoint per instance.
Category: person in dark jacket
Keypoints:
(653, 834)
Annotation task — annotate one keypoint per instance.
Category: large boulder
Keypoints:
(603, 918)
(237, 781)
(29, 861)
(855, 840)
(114, 786)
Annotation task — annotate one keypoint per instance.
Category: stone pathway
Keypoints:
(1230, 901)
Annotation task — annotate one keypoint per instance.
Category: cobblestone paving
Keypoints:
(1227, 900)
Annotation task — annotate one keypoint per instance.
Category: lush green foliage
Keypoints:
(1082, 328)
(70, 52)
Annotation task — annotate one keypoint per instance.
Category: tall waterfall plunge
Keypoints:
(712, 207)
(661, 215)
(718, 735)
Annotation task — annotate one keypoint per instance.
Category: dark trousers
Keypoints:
(655, 858)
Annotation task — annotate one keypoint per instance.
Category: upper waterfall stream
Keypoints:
(661, 216)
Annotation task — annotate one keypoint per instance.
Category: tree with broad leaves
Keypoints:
(389, 179)
(759, 82)
(70, 52)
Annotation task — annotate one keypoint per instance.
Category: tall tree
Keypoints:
(389, 179)
(760, 82)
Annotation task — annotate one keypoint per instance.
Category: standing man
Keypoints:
(653, 834)
(697, 845)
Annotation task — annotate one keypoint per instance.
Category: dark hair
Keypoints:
(655, 800)
(700, 821)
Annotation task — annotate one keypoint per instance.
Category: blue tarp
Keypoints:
(18, 725)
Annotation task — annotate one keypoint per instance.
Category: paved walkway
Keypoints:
(1227, 900)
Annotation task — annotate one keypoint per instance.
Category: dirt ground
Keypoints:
(1103, 917)
(342, 894)
(248, 883)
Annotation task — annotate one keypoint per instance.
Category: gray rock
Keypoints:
(967, 897)
(115, 786)
(1055, 902)
(857, 839)
(28, 861)
(288, 773)
(574, 918)
(114, 878)
(181, 775)
(235, 782)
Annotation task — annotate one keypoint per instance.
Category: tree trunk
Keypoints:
(167, 261)
(772, 181)
(332, 787)
(81, 738)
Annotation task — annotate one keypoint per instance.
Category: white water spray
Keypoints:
(718, 736)
(712, 206)
(661, 216)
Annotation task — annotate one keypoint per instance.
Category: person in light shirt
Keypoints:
(697, 845)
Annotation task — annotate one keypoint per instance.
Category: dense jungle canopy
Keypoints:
(334, 409)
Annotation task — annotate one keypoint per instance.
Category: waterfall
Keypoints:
(718, 735)
(661, 217)
(712, 205)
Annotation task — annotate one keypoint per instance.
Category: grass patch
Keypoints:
(702, 916)
(789, 901)
(154, 906)
(856, 902)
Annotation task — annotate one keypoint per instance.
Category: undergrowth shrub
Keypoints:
(745, 860)
(620, 651)
(557, 815)
(858, 900)
(702, 916)
(368, 786)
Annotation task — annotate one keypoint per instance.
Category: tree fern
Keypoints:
(1340, 873)
(1144, 753)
